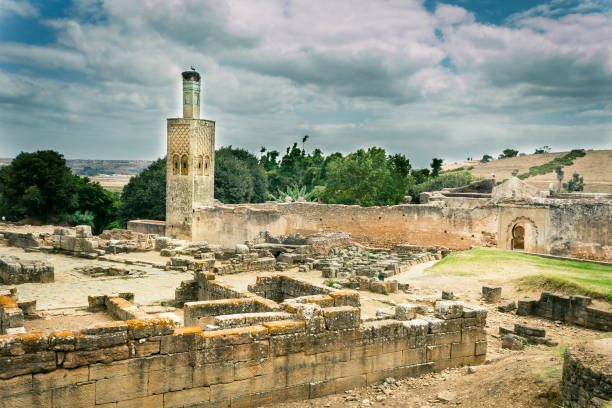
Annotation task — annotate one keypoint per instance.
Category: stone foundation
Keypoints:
(14, 271)
(587, 375)
(569, 309)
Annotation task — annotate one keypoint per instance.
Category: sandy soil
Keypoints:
(114, 182)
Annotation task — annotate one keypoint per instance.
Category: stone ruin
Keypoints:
(283, 339)
(14, 271)
(587, 375)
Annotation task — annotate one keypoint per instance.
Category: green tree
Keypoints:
(486, 158)
(542, 150)
(37, 185)
(102, 204)
(448, 180)
(367, 178)
(507, 153)
(436, 166)
(239, 178)
(145, 194)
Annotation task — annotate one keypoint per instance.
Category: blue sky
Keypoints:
(452, 79)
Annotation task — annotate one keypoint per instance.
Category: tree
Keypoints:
(367, 178)
(436, 166)
(507, 153)
(542, 150)
(239, 178)
(145, 194)
(486, 158)
(448, 180)
(92, 198)
(37, 185)
(576, 183)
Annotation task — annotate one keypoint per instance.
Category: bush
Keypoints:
(80, 218)
(549, 167)
(238, 177)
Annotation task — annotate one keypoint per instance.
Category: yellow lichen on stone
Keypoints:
(180, 331)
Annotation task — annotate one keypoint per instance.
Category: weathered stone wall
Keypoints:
(570, 309)
(147, 227)
(587, 375)
(147, 362)
(578, 228)
(427, 225)
(14, 271)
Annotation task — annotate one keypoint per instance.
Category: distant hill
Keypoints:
(84, 167)
(111, 174)
(595, 167)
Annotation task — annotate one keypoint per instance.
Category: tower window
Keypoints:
(200, 165)
(175, 165)
(184, 165)
(206, 166)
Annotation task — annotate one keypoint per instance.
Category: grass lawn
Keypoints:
(569, 277)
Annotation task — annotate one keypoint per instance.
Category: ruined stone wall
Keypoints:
(147, 362)
(456, 228)
(570, 309)
(587, 375)
(590, 235)
(564, 227)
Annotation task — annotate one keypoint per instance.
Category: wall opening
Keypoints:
(184, 165)
(200, 168)
(176, 165)
(206, 166)
(518, 237)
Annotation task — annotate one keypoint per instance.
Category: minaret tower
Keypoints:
(190, 161)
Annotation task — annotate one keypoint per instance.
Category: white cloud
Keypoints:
(20, 8)
(348, 73)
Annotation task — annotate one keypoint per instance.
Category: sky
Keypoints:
(96, 79)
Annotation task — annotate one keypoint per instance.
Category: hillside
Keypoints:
(595, 167)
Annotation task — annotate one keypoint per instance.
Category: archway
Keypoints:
(518, 237)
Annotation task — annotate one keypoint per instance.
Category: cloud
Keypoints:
(348, 73)
(20, 8)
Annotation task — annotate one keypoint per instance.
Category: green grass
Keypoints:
(531, 272)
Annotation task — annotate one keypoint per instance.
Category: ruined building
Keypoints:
(510, 215)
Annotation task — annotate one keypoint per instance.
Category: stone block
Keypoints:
(79, 358)
(447, 309)
(526, 307)
(435, 353)
(191, 396)
(150, 401)
(507, 307)
(341, 317)
(480, 348)
(83, 231)
(173, 379)
(75, 395)
(13, 366)
(523, 330)
(16, 385)
(59, 378)
(405, 311)
(216, 373)
(491, 294)
(462, 350)
(121, 388)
